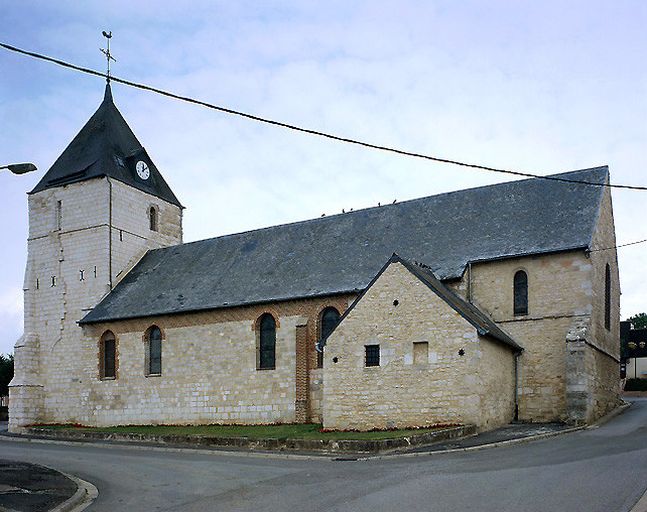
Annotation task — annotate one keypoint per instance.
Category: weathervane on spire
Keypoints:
(109, 57)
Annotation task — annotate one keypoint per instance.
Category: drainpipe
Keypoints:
(516, 386)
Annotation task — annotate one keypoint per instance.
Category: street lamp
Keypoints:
(19, 168)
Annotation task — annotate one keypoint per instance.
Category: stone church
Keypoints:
(477, 306)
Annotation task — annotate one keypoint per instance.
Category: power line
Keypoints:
(311, 131)
(618, 246)
(327, 135)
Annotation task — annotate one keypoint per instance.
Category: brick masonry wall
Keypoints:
(403, 392)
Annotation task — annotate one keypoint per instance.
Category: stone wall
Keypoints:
(131, 234)
(79, 237)
(413, 386)
(605, 384)
(604, 238)
(593, 348)
(496, 384)
(566, 301)
(208, 375)
(604, 343)
(559, 298)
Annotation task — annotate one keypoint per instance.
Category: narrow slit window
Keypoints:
(152, 218)
(267, 343)
(154, 351)
(520, 293)
(59, 214)
(329, 320)
(372, 355)
(108, 356)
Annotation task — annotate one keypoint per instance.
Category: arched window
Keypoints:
(108, 356)
(152, 218)
(607, 298)
(154, 351)
(521, 293)
(267, 343)
(329, 320)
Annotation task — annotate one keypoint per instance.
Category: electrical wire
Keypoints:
(311, 131)
(618, 246)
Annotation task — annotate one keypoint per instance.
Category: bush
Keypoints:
(6, 373)
(636, 385)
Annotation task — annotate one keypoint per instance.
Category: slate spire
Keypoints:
(108, 94)
(106, 146)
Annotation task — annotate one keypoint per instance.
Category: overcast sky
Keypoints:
(542, 87)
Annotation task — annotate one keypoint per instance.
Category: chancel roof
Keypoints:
(106, 146)
(342, 253)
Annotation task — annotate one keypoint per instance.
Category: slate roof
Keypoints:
(342, 253)
(106, 146)
(480, 320)
(484, 325)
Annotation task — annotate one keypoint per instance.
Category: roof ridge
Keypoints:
(407, 201)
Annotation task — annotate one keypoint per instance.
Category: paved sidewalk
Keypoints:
(29, 487)
(507, 433)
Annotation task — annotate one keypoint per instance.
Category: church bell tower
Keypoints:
(93, 215)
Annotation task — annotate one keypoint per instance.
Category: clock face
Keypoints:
(142, 170)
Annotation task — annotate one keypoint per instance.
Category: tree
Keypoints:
(639, 321)
(6, 373)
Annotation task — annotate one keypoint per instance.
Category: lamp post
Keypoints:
(19, 168)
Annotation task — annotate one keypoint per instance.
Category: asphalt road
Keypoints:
(603, 470)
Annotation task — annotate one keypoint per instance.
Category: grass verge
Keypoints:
(287, 431)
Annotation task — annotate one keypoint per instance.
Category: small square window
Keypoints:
(372, 355)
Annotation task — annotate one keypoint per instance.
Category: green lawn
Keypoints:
(301, 431)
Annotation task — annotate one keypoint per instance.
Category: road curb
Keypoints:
(609, 416)
(177, 449)
(485, 446)
(85, 494)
